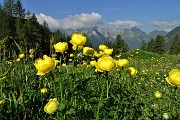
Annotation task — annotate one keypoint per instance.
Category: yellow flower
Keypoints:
(51, 106)
(22, 56)
(174, 77)
(96, 54)
(2, 102)
(64, 65)
(43, 90)
(45, 65)
(4, 77)
(78, 39)
(71, 55)
(132, 71)
(93, 63)
(122, 62)
(102, 47)
(18, 60)
(105, 63)
(108, 51)
(88, 51)
(61, 47)
(31, 55)
(31, 51)
(158, 94)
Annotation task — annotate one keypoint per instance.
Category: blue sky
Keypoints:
(147, 15)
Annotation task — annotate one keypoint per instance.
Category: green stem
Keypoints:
(100, 100)
(54, 84)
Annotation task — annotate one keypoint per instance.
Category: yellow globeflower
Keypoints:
(93, 63)
(44, 90)
(18, 60)
(31, 51)
(31, 56)
(71, 55)
(132, 71)
(88, 51)
(4, 77)
(105, 63)
(122, 62)
(158, 94)
(61, 47)
(2, 102)
(174, 77)
(78, 39)
(96, 54)
(108, 51)
(45, 65)
(22, 56)
(102, 47)
(51, 106)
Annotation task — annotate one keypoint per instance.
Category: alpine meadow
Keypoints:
(51, 75)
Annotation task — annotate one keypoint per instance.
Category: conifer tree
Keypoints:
(143, 45)
(160, 46)
(120, 45)
(151, 45)
(175, 47)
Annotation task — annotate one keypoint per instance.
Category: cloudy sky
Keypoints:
(147, 15)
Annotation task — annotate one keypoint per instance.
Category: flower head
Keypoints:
(105, 63)
(22, 56)
(31, 51)
(51, 106)
(122, 62)
(88, 51)
(102, 47)
(93, 63)
(108, 51)
(158, 94)
(78, 39)
(61, 47)
(45, 65)
(174, 77)
(44, 90)
(132, 71)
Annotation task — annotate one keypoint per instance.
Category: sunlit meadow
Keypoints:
(89, 84)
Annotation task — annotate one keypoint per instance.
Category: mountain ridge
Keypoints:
(133, 36)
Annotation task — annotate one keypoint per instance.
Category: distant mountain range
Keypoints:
(133, 36)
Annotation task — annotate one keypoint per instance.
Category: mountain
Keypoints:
(171, 35)
(155, 33)
(97, 36)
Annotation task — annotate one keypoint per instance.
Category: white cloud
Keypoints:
(84, 20)
(165, 24)
(126, 23)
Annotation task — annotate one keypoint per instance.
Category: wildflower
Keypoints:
(64, 65)
(51, 106)
(2, 102)
(165, 116)
(71, 55)
(44, 90)
(132, 71)
(61, 47)
(31, 56)
(108, 51)
(93, 63)
(105, 63)
(21, 97)
(174, 77)
(158, 94)
(78, 39)
(4, 78)
(45, 65)
(31, 51)
(102, 47)
(96, 54)
(154, 106)
(22, 56)
(18, 60)
(122, 62)
(88, 51)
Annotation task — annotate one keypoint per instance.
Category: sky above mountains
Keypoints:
(147, 15)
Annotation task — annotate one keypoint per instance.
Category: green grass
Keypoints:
(83, 93)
